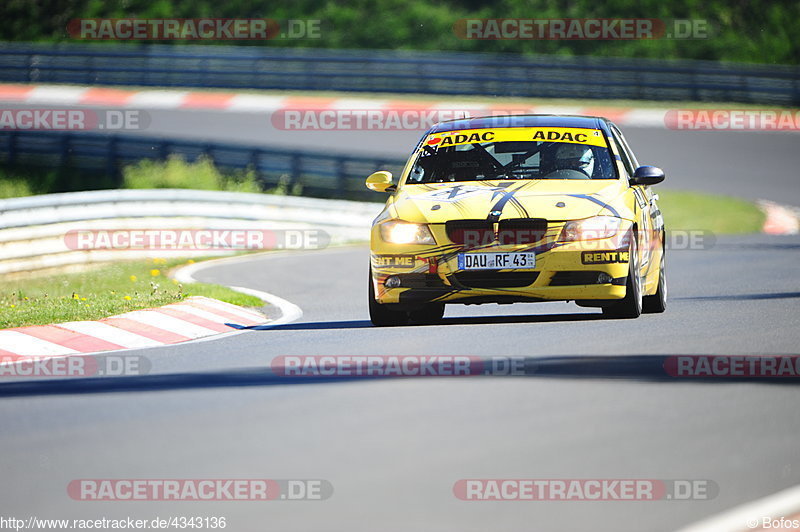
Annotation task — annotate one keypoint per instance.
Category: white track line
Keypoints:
(200, 312)
(644, 118)
(159, 320)
(349, 104)
(109, 333)
(232, 310)
(246, 103)
(13, 341)
(55, 94)
(157, 99)
(289, 311)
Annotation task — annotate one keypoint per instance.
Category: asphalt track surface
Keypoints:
(597, 405)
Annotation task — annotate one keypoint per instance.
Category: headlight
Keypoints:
(593, 228)
(406, 233)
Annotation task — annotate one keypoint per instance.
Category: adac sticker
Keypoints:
(561, 136)
(591, 137)
(460, 138)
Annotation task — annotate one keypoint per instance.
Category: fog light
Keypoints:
(604, 278)
(393, 281)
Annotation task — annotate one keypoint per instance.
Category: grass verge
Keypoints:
(101, 292)
(695, 211)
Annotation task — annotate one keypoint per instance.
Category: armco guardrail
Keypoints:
(33, 229)
(398, 72)
(317, 174)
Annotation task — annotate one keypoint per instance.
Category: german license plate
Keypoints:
(496, 261)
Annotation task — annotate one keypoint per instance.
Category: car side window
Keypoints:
(623, 153)
(620, 157)
(628, 158)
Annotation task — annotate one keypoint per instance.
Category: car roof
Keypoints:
(531, 120)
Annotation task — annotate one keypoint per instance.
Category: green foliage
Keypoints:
(285, 188)
(177, 173)
(14, 188)
(172, 173)
(28, 181)
(742, 31)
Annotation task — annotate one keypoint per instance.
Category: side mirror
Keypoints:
(381, 182)
(647, 175)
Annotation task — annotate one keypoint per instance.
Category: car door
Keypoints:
(646, 210)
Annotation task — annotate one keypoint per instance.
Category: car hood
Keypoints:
(550, 199)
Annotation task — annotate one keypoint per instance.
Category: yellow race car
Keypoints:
(518, 208)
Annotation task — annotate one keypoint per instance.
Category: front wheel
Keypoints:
(658, 301)
(631, 305)
(384, 315)
(429, 314)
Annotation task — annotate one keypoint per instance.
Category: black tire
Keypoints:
(631, 305)
(429, 314)
(384, 315)
(658, 302)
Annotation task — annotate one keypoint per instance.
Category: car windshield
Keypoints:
(451, 157)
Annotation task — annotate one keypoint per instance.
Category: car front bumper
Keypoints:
(577, 271)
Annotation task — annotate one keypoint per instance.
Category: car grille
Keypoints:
(494, 279)
(470, 233)
(514, 231)
(521, 231)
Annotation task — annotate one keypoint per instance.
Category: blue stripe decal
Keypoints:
(498, 207)
(597, 201)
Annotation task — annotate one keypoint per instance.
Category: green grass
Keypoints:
(101, 292)
(707, 212)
